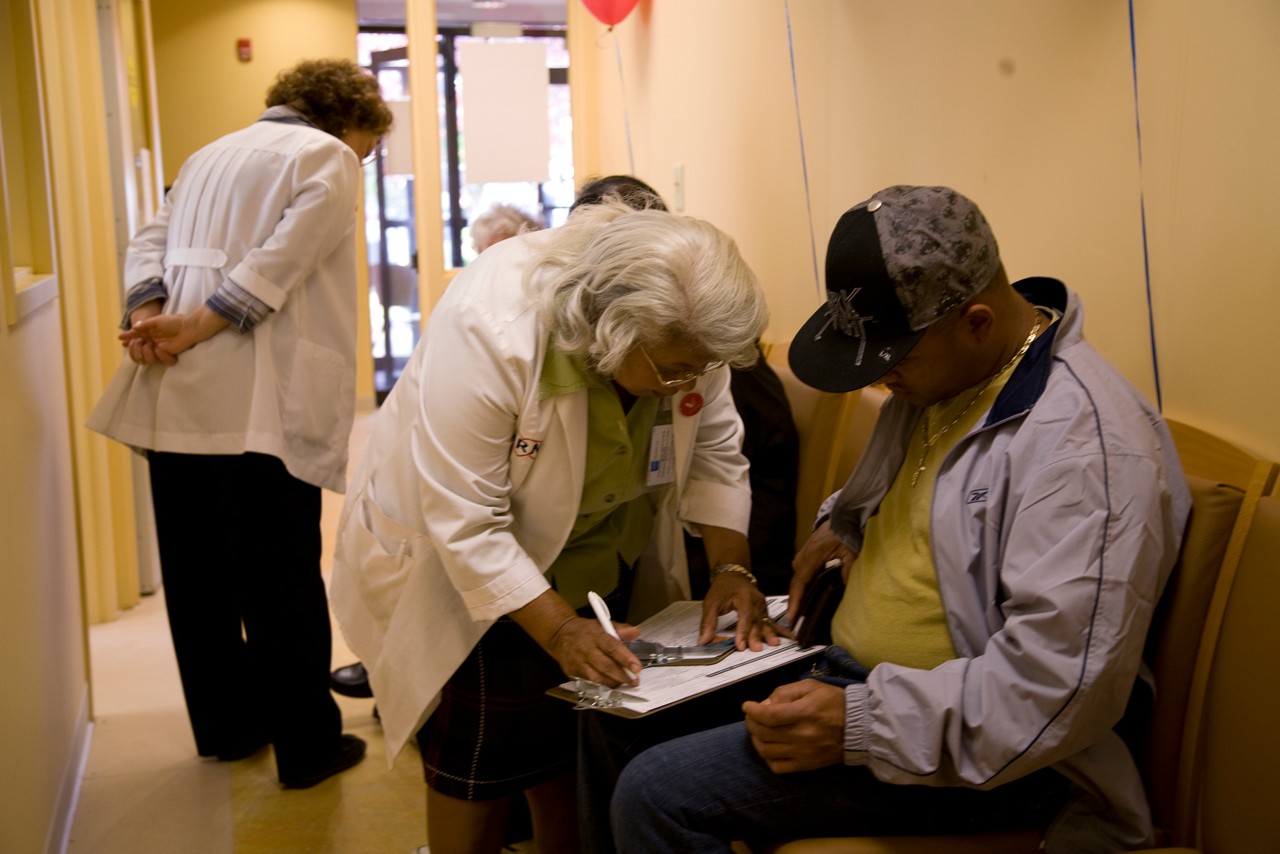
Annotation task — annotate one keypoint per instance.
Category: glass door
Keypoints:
(419, 226)
(544, 195)
(391, 230)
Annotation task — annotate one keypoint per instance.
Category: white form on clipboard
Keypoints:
(662, 687)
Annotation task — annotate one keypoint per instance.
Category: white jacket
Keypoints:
(272, 208)
(470, 484)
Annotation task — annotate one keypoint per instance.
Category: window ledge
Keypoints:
(31, 291)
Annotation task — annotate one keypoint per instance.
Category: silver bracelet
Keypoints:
(736, 568)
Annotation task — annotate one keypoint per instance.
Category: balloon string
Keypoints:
(626, 112)
(804, 163)
(1142, 208)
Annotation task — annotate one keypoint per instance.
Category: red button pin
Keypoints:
(691, 404)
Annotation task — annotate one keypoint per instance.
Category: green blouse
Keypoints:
(612, 525)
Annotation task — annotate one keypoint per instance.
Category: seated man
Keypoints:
(1005, 537)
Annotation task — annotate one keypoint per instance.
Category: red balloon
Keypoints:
(610, 12)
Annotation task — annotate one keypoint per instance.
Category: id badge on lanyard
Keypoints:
(662, 448)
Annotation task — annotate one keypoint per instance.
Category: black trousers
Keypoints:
(239, 542)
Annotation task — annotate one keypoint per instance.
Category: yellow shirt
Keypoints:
(892, 609)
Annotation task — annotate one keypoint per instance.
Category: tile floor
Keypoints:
(146, 792)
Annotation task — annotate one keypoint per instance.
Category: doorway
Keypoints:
(408, 256)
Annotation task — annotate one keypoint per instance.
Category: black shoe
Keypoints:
(350, 752)
(351, 681)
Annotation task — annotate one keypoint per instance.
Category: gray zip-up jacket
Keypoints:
(1055, 524)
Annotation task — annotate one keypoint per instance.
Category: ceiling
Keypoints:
(462, 12)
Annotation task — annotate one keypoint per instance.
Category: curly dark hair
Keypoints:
(335, 95)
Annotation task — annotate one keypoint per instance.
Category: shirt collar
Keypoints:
(563, 373)
(285, 115)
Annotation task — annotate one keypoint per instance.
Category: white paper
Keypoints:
(677, 625)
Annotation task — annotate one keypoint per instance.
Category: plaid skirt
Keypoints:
(496, 733)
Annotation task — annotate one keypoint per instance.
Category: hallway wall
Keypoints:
(1026, 107)
(61, 504)
(65, 514)
(42, 650)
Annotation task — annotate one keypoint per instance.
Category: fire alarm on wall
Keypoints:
(244, 49)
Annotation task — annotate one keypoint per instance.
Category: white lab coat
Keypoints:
(272, 208)
(470, 484)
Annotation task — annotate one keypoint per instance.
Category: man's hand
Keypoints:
(821, 547)
(799, 728)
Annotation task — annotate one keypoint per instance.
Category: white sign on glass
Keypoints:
(505, 131)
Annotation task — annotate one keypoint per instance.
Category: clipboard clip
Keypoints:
(651, 653)
(593, 695)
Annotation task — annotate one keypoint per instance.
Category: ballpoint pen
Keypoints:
(602, 614)
(606, 621)
(656, 653)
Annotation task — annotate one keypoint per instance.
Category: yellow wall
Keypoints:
(42, 656)
(58, 506)
(1026, 107)
(1211, 116)
(204, 90)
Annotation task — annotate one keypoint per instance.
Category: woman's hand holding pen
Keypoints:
(585, 651)
(581, 646)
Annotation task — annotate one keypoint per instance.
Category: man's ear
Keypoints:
(978, 322)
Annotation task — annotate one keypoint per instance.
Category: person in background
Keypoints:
(1005, 537)
(240, 326)
(567, 404)
(499, 223)
(626, 189)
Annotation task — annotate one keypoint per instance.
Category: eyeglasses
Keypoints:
(373, 152)
(684, 378)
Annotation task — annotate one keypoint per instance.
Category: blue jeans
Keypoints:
(606, 744)
(699, 792)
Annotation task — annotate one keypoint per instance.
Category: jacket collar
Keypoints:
(285, 115)
(1028, 381)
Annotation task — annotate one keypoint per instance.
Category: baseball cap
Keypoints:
(896, 263)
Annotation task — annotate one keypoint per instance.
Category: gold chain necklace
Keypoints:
(924, 420)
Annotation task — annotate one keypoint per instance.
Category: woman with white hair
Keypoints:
(567, 410)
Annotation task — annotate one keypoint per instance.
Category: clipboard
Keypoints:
(671, 684)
